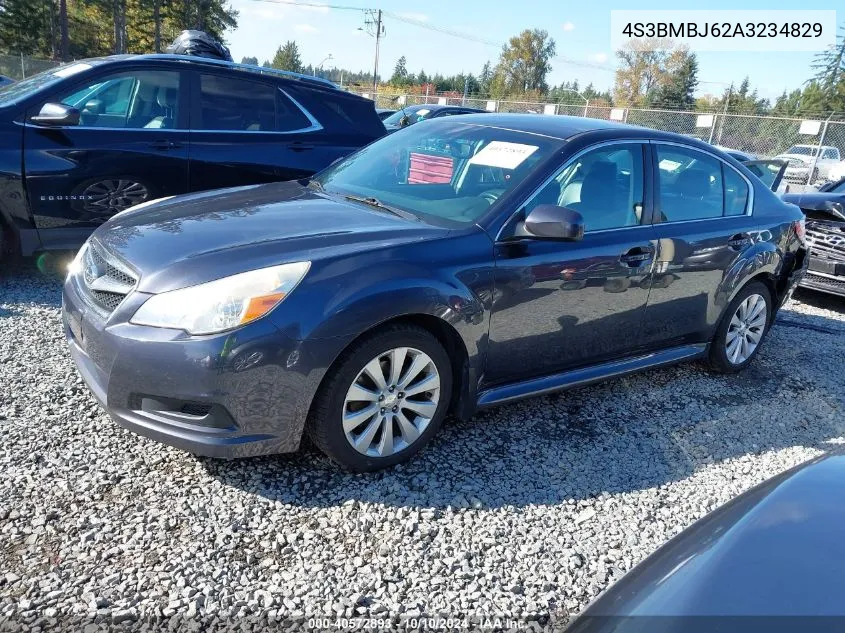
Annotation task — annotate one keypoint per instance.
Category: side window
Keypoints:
(143, 99)
(604, 185)
(690, 184)
(829, 153)
(736, 191)
(233, 104)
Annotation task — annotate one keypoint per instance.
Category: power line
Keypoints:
(314, 5)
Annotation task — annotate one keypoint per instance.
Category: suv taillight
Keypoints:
(800, 229)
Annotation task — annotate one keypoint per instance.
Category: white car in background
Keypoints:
(812, 162)
(837, 172)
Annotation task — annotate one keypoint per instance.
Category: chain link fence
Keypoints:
(20, 67)
(765, 136)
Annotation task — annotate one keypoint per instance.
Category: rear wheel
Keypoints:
(383, 400)
(743, 327)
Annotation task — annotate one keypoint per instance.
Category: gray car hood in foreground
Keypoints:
(777, 550)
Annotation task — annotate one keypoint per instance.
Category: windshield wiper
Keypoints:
(378, 204)
(316, 185)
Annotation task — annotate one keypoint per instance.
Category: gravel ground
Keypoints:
(527, 511)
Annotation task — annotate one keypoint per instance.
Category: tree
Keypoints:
(422, 78)
(830, 75)
(678, 81)
(253, 61)
(638, 73)
(400, 72)
(287, 58)
(485, 78)
(524, 62)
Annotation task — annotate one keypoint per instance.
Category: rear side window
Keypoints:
(696, 186)
(736, 192)
(230, 103)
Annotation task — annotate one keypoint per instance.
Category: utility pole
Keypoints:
(375, 20)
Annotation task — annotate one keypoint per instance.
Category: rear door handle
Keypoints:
(164, 145)
(637, 256)
(297, 146)
(739, 240)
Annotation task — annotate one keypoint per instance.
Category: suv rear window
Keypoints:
(235, 104)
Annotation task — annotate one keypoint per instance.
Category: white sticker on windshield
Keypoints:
(503, 154)
(67, 71)
(422, 112)
(668, 165)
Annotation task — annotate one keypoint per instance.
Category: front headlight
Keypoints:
(224, 303)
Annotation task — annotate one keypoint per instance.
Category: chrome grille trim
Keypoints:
(827, 240)
(105, 281)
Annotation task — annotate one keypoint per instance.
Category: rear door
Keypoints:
(703, 224)
(247, 130)
(131, 145)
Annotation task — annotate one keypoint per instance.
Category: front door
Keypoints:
(131, 145)
(560, 305)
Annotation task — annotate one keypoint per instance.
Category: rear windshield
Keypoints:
(414, 113)
(804, 150)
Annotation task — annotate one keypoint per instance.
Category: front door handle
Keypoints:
(164, 144)
(299, 146)
(637, 256)
(739, 240)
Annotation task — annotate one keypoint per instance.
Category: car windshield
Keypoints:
(14, 91)
(442, 171)
(804, 150)
(414, 113)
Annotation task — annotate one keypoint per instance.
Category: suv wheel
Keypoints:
(111, 196)
(383, 400)
(743, 327)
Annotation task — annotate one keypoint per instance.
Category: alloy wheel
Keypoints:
(391, 402)
(112, 196)
(746, 329)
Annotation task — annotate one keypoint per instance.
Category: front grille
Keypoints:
(106, 281)
(827, 239)
(837, 282)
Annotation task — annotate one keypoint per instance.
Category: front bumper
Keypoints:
(236, 394)
(824, 282)
(797, 173)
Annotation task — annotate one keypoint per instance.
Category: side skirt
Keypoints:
(588, 375)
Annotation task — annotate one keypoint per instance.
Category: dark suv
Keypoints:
(87, 140)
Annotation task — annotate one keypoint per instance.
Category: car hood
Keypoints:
(831, 203)
(186, 240)
(774, 550)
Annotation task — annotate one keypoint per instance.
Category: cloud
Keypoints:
(419, 17)
(598, 58)
(568, 26)
(265, 13)
(306, 28)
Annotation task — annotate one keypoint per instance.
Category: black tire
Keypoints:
(718, 355)
(324, 424)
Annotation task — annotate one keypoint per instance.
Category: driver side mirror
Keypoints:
(56, 115)
(549, 221)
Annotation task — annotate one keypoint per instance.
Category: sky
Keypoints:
(581, 31)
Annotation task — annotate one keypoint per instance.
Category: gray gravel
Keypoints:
(528, 510)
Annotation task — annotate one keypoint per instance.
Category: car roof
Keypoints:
(216, 63)
(564, 127)
(439, 106)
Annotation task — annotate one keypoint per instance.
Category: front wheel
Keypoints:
(744, 325)
(383, 400)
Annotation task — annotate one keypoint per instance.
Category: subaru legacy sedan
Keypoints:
(456, 264)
